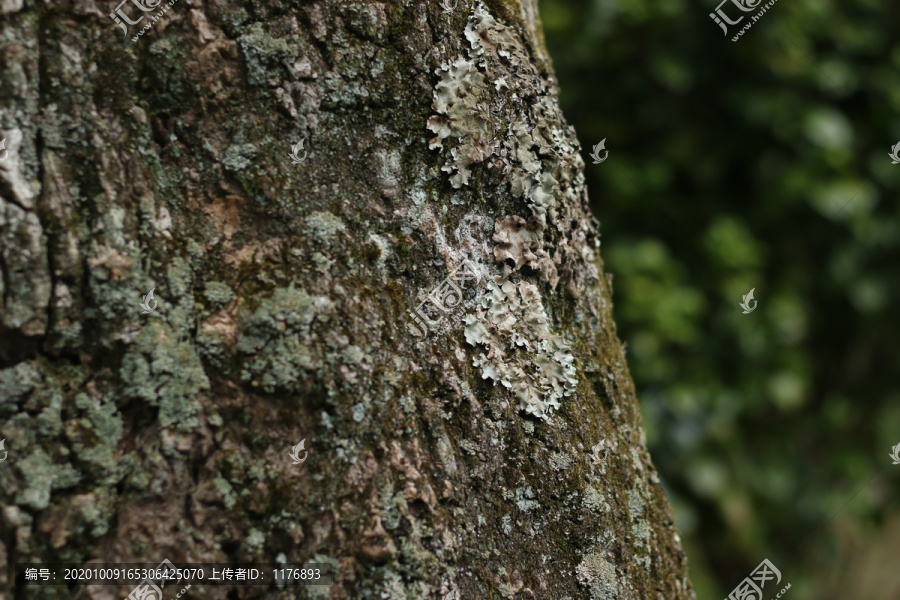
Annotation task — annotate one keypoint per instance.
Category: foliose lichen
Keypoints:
(520, 351)
(500, 110)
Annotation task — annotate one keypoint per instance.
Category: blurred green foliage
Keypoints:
(761, 163)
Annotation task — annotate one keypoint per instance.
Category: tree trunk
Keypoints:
(489, 443)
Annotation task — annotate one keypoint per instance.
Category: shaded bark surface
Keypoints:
(500, 455)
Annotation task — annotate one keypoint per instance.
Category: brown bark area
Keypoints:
(500, 455)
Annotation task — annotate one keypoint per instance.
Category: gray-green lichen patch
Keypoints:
(224, 492)
(475, 99)
(239, 156)
(598, 574)
(324, 226)
(640, 529)
(560, 461)
(461, 99)
(217, 293)
(25, 286)
(101, 433)
(494, 107)
(641, 533)
(276, 338)
(525, 499)
(268, 57)
(520, 352)
(594, 500)
(16, 382)
(255, 541)
(165, 372)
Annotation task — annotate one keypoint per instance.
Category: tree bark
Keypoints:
(500, 453)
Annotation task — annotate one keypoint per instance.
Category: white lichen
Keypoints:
(520, 244)
(458, 98)
(524, 499)
(640, 529)
(520, 351)
(599, 574)
(560, 461)
(496, 86)
(594, 500)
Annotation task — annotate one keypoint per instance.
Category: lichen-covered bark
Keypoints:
(501, 454)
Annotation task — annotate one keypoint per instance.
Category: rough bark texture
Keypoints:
(500, 455)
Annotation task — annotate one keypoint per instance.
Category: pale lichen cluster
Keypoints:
(519, 351)
(493, 103)
(502, 111)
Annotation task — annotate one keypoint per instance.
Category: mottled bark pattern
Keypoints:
(500, 455)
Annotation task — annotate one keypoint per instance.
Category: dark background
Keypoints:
(761, 163)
